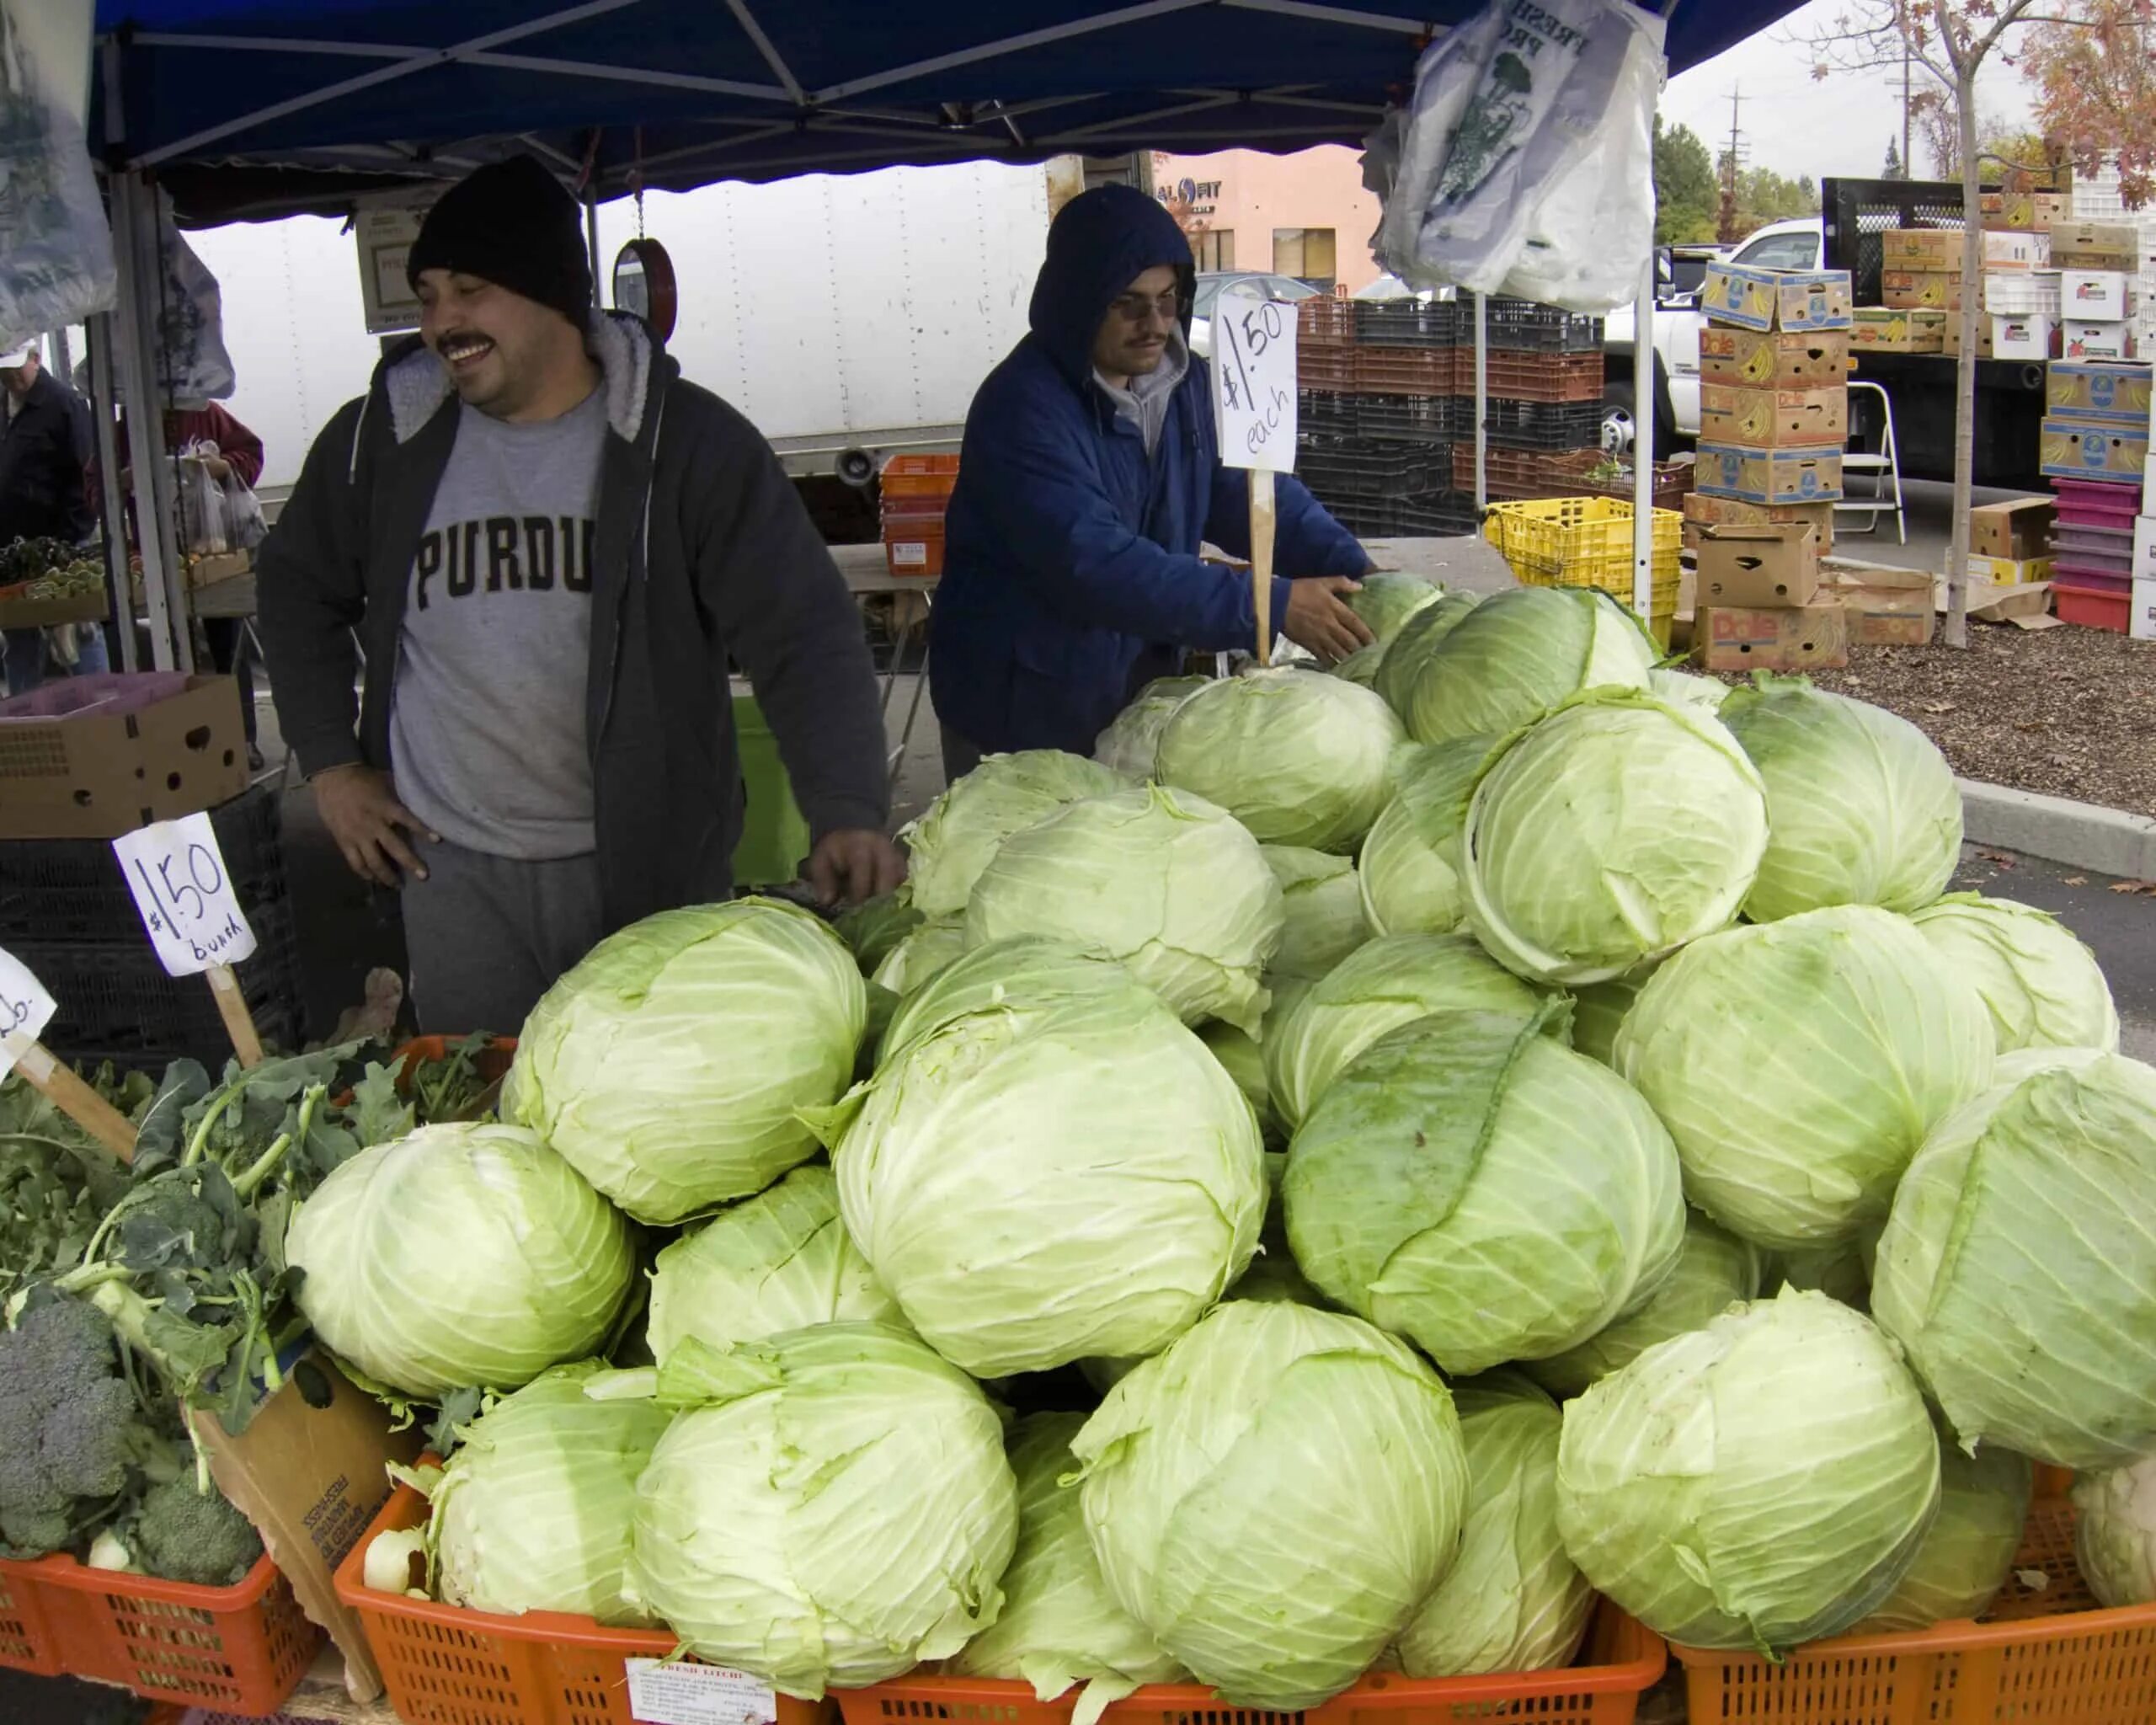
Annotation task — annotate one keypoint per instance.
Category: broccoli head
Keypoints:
(183, 1534)
(69, 1425)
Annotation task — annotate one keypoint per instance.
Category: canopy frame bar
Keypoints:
(768, 49)
(1041, 38)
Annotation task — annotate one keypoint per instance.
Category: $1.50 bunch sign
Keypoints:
(184, 893)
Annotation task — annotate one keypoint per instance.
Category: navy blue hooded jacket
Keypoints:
(1069, 552)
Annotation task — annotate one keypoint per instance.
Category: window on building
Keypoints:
(1215, 249)
(1306, 254)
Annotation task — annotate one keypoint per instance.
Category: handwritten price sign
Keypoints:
(185, 897)
(25, 1009)
(1254, 381)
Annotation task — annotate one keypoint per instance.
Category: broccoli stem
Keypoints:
(265, 1165)
(199, 1145)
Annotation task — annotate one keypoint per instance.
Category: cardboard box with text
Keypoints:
(1885, 607)
(1762, 638)
(1753, 298)
(1774, 359)
(1775, 419)
(1759, 475)
(1765, 565)
(1702, 510)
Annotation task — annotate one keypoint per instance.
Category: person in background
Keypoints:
(44, 453)
(550, 545)
(1088, 479)
(237, 454)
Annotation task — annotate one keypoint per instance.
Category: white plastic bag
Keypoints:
(56, 247)
(193, 363)
(1525, 162)
(244, 526)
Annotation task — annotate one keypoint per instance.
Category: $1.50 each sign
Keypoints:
(1254, 381)
(185, 895)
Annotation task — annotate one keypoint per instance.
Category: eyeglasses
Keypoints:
(1137, 308)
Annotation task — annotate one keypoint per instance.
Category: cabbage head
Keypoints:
(963, 828)
(1360, 667)
(1321, 909)
(1384, 985)
(1864, 807)
(1471, 1183)
(1799, 1064)
(1402, 661)
(532, 1512)
(2115, 1534)
(2018, 1268)
(1760, 1482)
(781, 1260)
(833, 1507)
(1056, 1173)
(1964, 1560)
(1298, 757)
(460, 1255)
(2042, 984)
(1244, 1057)
(872, 929)
(1387, 598)
(1608, 835)
(1520, 653)
(1410, 866)
(1273, 1496)
(1513, 1602)
(1060, 1624)
(1133, 737)
(1842, 1269)
(667, 1064)
(1599, 1007)
(924, 951)
(1683, 688)
(1160, 881)
(1714, 1271)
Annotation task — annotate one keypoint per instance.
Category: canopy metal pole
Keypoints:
(98, 332)
(591, 245)
(135, 240)
(1643, 411)
(1481, 402)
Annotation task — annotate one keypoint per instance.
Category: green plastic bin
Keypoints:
(774, 836)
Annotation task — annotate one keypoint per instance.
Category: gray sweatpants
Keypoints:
(486, 935)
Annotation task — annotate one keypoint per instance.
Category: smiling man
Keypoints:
(1089, 477)
(549, 546)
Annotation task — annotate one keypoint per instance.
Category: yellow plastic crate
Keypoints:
(1587, 542)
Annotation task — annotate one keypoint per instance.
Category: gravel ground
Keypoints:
(2068, 712)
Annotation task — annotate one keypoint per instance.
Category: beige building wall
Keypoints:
(1306, 215)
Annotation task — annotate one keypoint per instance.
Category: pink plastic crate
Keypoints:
(2096, 503)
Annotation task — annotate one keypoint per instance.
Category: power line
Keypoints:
(1732, 166)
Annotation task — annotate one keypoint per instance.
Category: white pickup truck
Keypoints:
(1677, 321)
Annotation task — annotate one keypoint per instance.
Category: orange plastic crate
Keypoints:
(1620, 1663)
(920, 476)
(446, 1665)
(2046, 1657)
(239, 1649)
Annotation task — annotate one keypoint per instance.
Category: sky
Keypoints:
(1795, 124)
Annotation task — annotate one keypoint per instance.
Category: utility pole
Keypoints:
(1909, 169)
(1732, 163)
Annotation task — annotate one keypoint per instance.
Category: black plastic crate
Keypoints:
(1357, 467)
(72, 890)
(1407, 323)
(1320, 413)
(1386, 517)
(1407, 419)
(1445, 515)
(1537, 425)
(115, 1001)
(1524, 327)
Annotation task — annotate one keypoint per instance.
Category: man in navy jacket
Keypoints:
(1091, 474)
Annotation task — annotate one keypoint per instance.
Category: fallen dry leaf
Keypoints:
(2135, 886)
(1939, 707)
(2075, 881)
(2005, 859)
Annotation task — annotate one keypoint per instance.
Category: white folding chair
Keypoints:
(1883, 464)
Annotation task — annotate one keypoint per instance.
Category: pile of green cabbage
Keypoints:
(1617, 1043)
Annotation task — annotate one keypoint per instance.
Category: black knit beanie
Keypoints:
(513, 224)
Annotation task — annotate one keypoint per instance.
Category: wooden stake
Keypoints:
(74, 1098)
(231, 1007)
(1261, 558)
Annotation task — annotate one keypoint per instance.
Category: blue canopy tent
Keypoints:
(251, 109)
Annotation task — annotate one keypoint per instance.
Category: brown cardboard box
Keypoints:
(311, 1471)
(1883, 329)
(1940, 248)
(93, 758)
(1762, 638)
(2095, 245)
(1886, 607)
(1768, 564)
(1921, 290)
(2016, 531)
(2008, 210)
(1775, 419)
(1703, 510)
(44, 613)
(1950, 338)
(1774, 359)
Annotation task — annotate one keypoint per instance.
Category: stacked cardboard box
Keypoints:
(2144, 624)
(1773, 386)
(2097, 263)
(1921, 273)
(1758, 605)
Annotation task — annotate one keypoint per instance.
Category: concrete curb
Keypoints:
(2081, 835)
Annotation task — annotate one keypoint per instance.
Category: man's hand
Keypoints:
(1318, 618)
(854, 865)
(358, 805)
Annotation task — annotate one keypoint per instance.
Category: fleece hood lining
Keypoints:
(417, 383)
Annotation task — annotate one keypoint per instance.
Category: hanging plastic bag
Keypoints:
(244, 526)
(1524, 162)
(201, 509)
(194, 364)
(56, 247)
